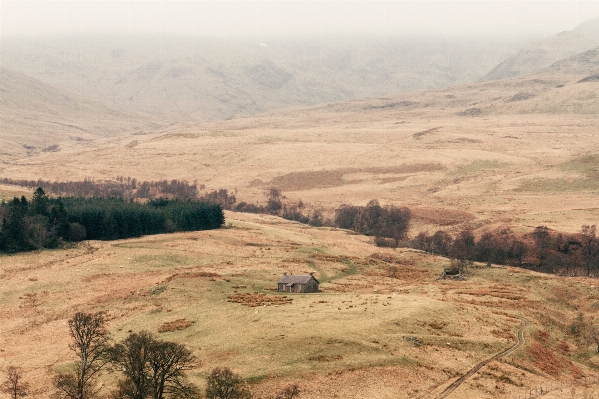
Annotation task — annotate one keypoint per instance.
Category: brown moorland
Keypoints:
(521, 152)
(367, 334)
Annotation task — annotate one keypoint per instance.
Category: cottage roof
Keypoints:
(295, 279)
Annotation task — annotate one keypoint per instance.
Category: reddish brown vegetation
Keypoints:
(502, 334)
(563, 348)
(542, 336)
(544, 359)
(575, 371)
(258, 299)
(175, 325)
(191, 275)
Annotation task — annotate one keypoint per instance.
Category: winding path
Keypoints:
(473, 370)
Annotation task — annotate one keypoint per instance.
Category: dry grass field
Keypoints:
(382, 327)
(9, 192)
(520, 153)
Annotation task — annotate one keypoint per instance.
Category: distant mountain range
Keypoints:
(76, 90)
(188, 79)
(545, 52)
(35, 116)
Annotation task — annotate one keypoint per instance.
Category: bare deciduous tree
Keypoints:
(394, 223)
(66, 384)
(167, 363)
(153, 369)
(589, 247)
(290, 392)
(543, 241)
(440, 243)
(132, 356)
(14, 384)
(274, 203)
(90, 344)
(464, 246)
(224, 384)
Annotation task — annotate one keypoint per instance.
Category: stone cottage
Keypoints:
(298, 283)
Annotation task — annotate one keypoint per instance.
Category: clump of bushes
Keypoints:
(389, 225)
(542, 249)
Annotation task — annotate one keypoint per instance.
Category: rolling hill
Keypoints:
(585, 63)
(383, 326)
(38, 117)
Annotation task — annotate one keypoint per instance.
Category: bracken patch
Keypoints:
(258, 299)
(175, 325)
(544, 359)
(191, 275)
(323, 358)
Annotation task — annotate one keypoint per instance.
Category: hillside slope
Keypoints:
(585, 63)
(384, 326)
(35, 115)
(543, 53)
(198, 79)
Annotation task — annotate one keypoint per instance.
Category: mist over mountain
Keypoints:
(584, 63)
(545, 52)
(193, 79)
(78, 88)
(35, 116)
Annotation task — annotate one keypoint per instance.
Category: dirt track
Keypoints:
(473, 370)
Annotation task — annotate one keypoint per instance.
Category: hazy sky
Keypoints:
(256, 19)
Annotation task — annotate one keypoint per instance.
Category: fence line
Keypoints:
(551, 387)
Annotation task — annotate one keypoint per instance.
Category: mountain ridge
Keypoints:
(543, 53)
(191, 79)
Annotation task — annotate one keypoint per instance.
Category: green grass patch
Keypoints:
(323, 277)
(351, 268)
(558, 185)
(587, 165)
(477, 166)
(164, 260)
